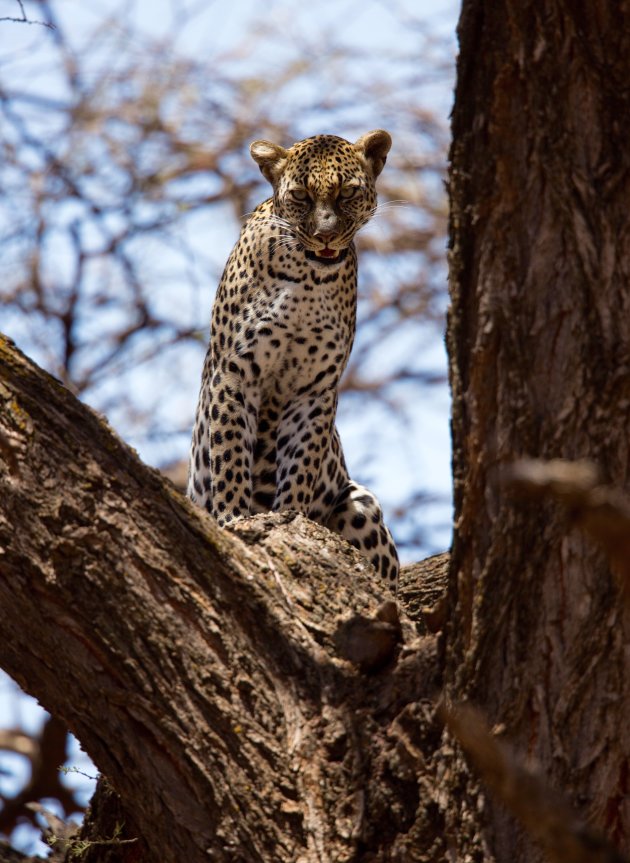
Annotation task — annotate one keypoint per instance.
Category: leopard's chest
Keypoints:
(285, 323)
(304, 330)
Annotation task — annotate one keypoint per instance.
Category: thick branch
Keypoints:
(197, 667)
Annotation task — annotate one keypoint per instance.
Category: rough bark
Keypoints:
(539, 337)
(201, 669)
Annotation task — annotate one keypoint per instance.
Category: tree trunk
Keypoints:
(539, 338)
(245, 693)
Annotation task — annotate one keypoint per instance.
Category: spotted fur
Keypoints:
(283, 325)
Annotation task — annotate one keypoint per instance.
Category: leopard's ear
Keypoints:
(375, 147)
(270, 158)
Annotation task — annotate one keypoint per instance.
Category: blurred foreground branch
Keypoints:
(543, 813)
(46, 752)
(602, 511)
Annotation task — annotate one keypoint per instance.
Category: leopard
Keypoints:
(283, 325)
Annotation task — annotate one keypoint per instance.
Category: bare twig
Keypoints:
(25, 20)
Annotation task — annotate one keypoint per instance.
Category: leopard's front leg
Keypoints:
(301, 445)
(234, 400)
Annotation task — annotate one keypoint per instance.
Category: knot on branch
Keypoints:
(370, 642)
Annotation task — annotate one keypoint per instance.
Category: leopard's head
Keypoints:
(324, 189)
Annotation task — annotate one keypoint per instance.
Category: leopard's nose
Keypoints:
(326, 236)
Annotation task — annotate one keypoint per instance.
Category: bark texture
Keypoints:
(539, 338)
(202, 670)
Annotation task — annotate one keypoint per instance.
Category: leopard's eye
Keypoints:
(300, 195)
(347, 192)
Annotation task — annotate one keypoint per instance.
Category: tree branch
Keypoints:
(198, 667)
(25, 20)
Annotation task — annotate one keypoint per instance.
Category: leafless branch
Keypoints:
(25, 20)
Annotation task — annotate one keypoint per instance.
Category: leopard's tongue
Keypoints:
(328, 253)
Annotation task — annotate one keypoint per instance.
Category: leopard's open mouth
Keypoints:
(327, 256)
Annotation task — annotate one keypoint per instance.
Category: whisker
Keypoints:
(390, 205)
(286, 242)
(279, 221)
(273, 220)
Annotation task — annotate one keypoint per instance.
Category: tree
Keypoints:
(539, 338)
(253, 695)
